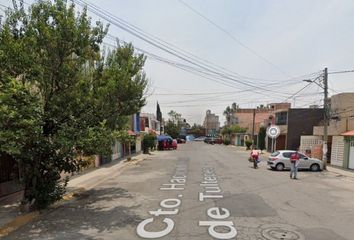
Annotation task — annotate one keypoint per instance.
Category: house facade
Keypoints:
(340, 142)
(263, 117)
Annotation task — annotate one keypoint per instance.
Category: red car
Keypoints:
(167, 144)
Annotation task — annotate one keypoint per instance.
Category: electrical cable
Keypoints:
(232, 37)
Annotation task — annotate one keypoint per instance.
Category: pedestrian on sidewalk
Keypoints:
(294, 162)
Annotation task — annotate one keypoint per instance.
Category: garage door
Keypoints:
(351, 155)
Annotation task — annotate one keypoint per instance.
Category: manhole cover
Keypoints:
(277, 233)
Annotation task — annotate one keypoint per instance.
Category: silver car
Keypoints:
(280, 160)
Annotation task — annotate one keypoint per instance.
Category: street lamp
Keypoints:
(325, 115)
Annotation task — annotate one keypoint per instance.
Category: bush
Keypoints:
(248, 144)
(149, 142)
(227, 141)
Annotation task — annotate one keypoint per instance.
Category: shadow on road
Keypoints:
(91, 213)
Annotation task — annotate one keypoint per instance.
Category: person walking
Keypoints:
(294, 162)
(255, 157)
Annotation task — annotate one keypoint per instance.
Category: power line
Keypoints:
(232, 36)
(339, 72)
(202, 69)
(205, 72)
(96, 10)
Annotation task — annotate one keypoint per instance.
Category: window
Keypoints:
(281, 118)
(287, 154)
(274, 154)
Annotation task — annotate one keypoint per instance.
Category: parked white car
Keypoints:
(280, 160)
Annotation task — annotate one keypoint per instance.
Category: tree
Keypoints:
(229, 130)
(229, 113)
(149, 142)
(175, 117)
(158, 113)
(197, 130)
(124, 137)
(261, 138)
(172, 129)
(60, 99)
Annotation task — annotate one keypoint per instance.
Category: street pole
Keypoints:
(253, 125)
(326, 111)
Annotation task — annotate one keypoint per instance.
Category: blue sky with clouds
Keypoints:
(283, 39)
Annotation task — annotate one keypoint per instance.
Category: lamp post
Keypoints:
(325, 115)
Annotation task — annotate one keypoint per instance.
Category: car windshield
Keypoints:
(274, 154)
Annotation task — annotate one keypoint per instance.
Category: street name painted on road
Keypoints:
(170, 205)
(218, 226)
(212, 190)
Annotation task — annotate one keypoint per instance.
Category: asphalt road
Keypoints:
(204, 192)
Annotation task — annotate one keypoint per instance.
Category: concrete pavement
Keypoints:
(11, 218)
(203, 192)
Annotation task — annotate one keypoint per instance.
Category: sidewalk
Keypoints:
(341, 171)
(11, 218)
(331, 169)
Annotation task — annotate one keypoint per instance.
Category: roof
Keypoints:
(350, 133)
(131, 133)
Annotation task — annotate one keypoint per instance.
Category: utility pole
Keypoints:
(253, 125)
(326, 117)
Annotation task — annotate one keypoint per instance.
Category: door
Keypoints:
(351, 155)
(304, 162)
(286, 159)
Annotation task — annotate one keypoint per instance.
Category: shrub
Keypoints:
(227, 141)
(149, 142)
(248, 144)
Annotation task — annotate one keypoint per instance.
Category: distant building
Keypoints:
(263, 117)
(211, 123)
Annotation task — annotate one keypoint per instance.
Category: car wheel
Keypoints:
(279, 167)
(315, 167)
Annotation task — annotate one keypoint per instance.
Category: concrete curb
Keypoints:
(23, 219)
(343, 172)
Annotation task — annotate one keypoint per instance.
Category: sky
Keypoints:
(269, 46)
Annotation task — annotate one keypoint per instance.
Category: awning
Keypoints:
(163, 137)
(350, 133)
(131, 133)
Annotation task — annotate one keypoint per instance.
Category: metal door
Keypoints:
(351, 155)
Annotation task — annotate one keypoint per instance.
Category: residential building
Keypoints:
(211, 123)
(149, 123)
(263, 117)
(294, 123)
(120, 150)
(340, 139)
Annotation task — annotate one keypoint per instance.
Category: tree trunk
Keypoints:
(129, 152)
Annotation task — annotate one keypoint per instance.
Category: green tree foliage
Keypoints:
(226, 141)
(172, 129)
(261, 138)
(197, 130)
(59, 98)
(158, 113)
(149, 142)
(233, 129)
(175, 117)
(229, 113)
(174, 124)
(248, 144)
